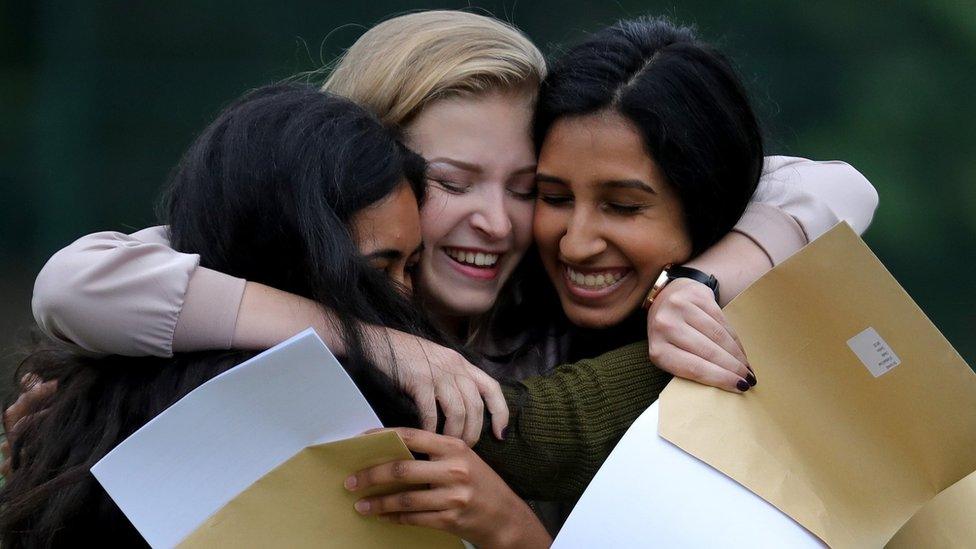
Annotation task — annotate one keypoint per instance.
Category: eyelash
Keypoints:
(624, 209)
(523, 196)
(612, 207)
(450, 186)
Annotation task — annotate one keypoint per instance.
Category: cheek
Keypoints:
(521, 213)
(437, 217)
(548, 227)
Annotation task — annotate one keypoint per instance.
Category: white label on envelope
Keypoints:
(874, 352)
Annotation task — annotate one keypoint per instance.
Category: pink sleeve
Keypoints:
(798, 200)
(113, 293)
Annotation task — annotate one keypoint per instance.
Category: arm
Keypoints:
(796, 201)
(112, 293)
(563, 426)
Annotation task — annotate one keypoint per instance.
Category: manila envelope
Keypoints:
(863, 412)
(301, 503)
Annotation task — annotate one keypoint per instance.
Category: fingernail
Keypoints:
(750, 368)
(350, 483)
(751, 379)
(504, 433)
(742, 385)
(362, 507)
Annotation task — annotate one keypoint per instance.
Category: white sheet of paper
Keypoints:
(189, 461)
(650, 493)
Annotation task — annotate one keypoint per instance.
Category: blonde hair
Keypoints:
(404, 63)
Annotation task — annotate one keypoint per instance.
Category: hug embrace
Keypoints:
(478, 236)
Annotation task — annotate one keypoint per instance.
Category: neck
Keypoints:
(591, 342)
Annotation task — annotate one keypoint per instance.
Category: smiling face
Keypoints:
(477, 220)
(606, 221)
(391, 247)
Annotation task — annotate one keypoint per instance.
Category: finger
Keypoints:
(491, 392)
(474, 410)
(14, 413)
(401, 471)
(439, 520)
(699, 338)
(434, 445)
(29, 381)
(426, 402)
(693, 367)
(436, 499)
(735, 347)
(452, 404)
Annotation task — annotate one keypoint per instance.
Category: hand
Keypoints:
(432, 375)
(688, 336)
(33, 392)
(455, 491)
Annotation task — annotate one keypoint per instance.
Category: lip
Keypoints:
(584, 294)
(477, 273)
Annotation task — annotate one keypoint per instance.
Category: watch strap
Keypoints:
(681, 271)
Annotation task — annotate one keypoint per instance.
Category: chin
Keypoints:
(463, 303)
(594, 319)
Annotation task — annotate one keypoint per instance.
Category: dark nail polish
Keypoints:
(751, 378)
(742, 385)
(750, 368)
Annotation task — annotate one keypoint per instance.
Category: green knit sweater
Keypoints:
(564, 425)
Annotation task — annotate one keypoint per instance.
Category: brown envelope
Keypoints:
(863, 412)
(302, 503)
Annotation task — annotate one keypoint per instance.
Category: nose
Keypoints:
(492, 218)
(582, 241)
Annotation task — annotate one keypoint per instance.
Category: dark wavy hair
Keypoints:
(266, 193)
(686, 101)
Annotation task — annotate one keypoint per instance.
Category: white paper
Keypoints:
(650, 493)
(189, 461)
(874, 352)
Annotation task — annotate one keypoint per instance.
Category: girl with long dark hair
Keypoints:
(289, 186)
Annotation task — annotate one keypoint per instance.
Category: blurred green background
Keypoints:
(98, 100)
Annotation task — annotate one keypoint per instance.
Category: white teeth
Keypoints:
(593, 281)
(479, 259)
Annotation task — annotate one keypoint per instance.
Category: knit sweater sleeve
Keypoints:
(563, 426)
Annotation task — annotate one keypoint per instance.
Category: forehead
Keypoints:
(491, 130)
(600, 146)
(393, 223)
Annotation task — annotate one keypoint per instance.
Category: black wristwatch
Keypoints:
(672, 272)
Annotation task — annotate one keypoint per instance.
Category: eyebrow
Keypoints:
(628, 184)
(612, 184)
(391, 254)
(475, 168)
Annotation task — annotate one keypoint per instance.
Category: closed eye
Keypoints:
(624, 209)
(555, 199)
(450, 186)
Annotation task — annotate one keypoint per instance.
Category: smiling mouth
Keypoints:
(476, 259)
(594, 283)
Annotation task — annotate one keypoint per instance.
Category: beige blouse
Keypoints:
(131, 294)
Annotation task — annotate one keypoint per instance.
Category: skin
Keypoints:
(393, 248)
(600, 197)
(454, 491)
(481, 169)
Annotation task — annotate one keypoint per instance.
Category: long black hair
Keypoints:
(686, 101)
(695, 121)
(266, 192)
